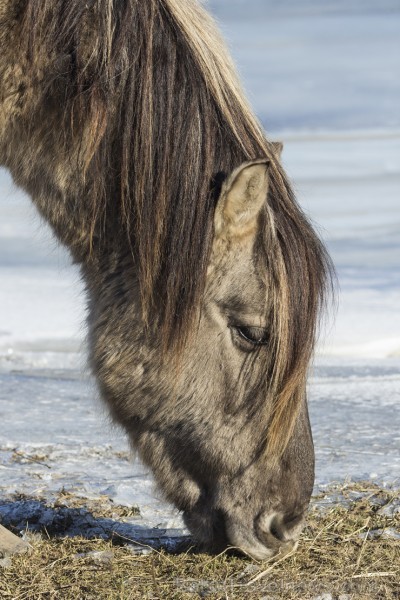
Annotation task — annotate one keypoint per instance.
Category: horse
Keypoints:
(127, 126)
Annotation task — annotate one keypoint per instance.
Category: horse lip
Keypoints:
(253, 547)
(232, 535)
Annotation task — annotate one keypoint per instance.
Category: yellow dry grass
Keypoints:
(349, 549)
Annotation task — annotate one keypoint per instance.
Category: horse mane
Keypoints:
(153, 88)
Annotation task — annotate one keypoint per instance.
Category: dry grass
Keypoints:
(348, 549)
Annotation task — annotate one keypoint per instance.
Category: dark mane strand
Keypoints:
(153, 89)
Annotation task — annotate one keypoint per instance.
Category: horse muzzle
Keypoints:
(270, 534)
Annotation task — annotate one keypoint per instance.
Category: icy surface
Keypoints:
(324, 78)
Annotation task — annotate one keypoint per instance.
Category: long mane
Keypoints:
(153, 88)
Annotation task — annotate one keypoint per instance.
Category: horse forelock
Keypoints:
(300, 278)
(152, 88)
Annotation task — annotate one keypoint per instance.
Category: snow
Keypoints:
(323, 77)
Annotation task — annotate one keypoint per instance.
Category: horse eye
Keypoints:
(258, 336)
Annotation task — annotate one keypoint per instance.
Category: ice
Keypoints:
(323, 77)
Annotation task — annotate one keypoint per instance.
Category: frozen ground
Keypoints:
(326, 82)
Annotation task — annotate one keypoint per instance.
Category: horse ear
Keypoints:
(277, 148)
(242, 196)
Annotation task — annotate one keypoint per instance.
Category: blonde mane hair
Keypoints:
(164, 120)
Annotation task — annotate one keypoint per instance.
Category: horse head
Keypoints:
(202, 419)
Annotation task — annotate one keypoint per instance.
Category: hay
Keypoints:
(349, 549)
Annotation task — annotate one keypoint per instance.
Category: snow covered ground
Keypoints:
(324, 79)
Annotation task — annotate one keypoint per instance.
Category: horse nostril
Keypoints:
(277, 528)
(270, 530)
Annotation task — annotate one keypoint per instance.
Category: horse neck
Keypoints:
(44, 163)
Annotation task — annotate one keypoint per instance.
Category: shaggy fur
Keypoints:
(122, 119)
